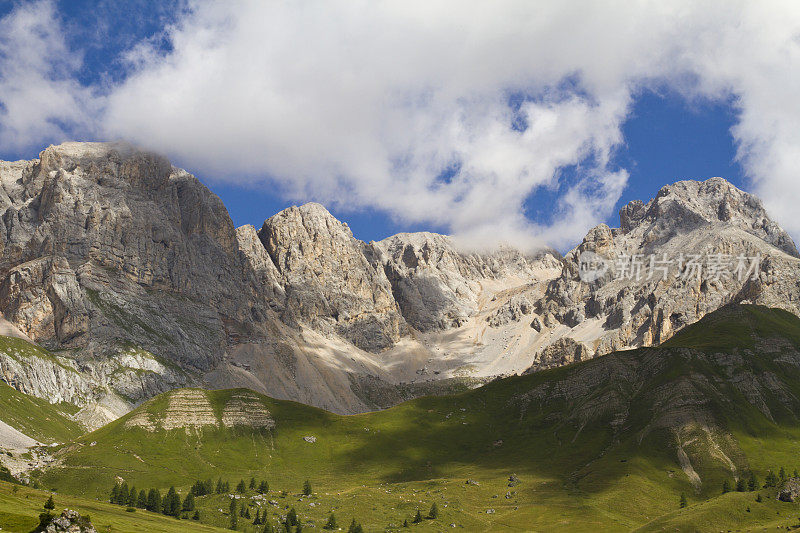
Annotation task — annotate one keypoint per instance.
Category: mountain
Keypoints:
(129, 277)
(608, 443)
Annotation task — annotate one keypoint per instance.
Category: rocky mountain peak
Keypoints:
(329, 282)
(687, 205)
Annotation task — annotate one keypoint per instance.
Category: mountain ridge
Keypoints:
(133, 274)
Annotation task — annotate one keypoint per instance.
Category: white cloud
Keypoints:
(357, 103)
(40, 99)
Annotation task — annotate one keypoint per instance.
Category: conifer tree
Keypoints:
(726, 486)
(263, 487)
(114, 496)
(355, 527)
(758, 497)
(434, 512)
(141, 503)
(188, 503)
(683, 502)
(741, 486)
(257, 519)
(50, 504)
(307, 488)
(782, 474)
(241, 488)
(196, 515)
(291, 518)
(331, 523)
(122, 496)
(154, 501)
(234, 516)
(405, 523)
(252, 483)
(417, 517)
(771, 480)
(795, 474)
(171, 506)
(133, 496)
(752, 482)
(219, 486)
(247, 512)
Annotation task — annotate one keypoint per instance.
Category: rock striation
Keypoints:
(130, 278)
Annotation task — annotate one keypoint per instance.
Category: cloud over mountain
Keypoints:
(451, 113)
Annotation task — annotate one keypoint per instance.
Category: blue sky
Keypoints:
(397, 116)
(666, 139)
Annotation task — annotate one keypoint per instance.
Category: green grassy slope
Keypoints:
(38, 418)
(595, 445)
(20, 508)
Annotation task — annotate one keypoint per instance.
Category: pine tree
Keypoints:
(241, 488)
(247, 513)
(171, 506)
(141, 503)
(405, 523)
(752, 482)
(771, 480)
(234, 516)
(252, 483)
(741, 486)
(434, 512)
(226, 487)
(114, 497)
(257, 520)
(782, 474)
(122, 496)
(263, 487)
(219, 486)
(417, 517)
(795, 474)
(307, 488)
(196, 515)
(683, 502)
(726, 486)
(188, 503)
(291, 518)
(154, 501)
(355, 527)
(50, 504)
(132, 497)
(331, 523)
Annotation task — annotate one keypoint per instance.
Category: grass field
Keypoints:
(592, 446)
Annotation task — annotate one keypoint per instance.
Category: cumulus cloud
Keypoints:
(446, 112)
(40, 98)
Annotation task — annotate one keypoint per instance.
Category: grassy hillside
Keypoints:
(38, 418)
(20, 508)
(608, 444)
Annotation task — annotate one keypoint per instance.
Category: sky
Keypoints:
(518, 122)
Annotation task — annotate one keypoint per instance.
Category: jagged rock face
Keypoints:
(328, 281)
(686, 219)
(102, 245)
(437, 286)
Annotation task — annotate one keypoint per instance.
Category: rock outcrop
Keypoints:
(191, 410)
(328, 282)
(68, 522)
(692, 249)
(130, 277)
